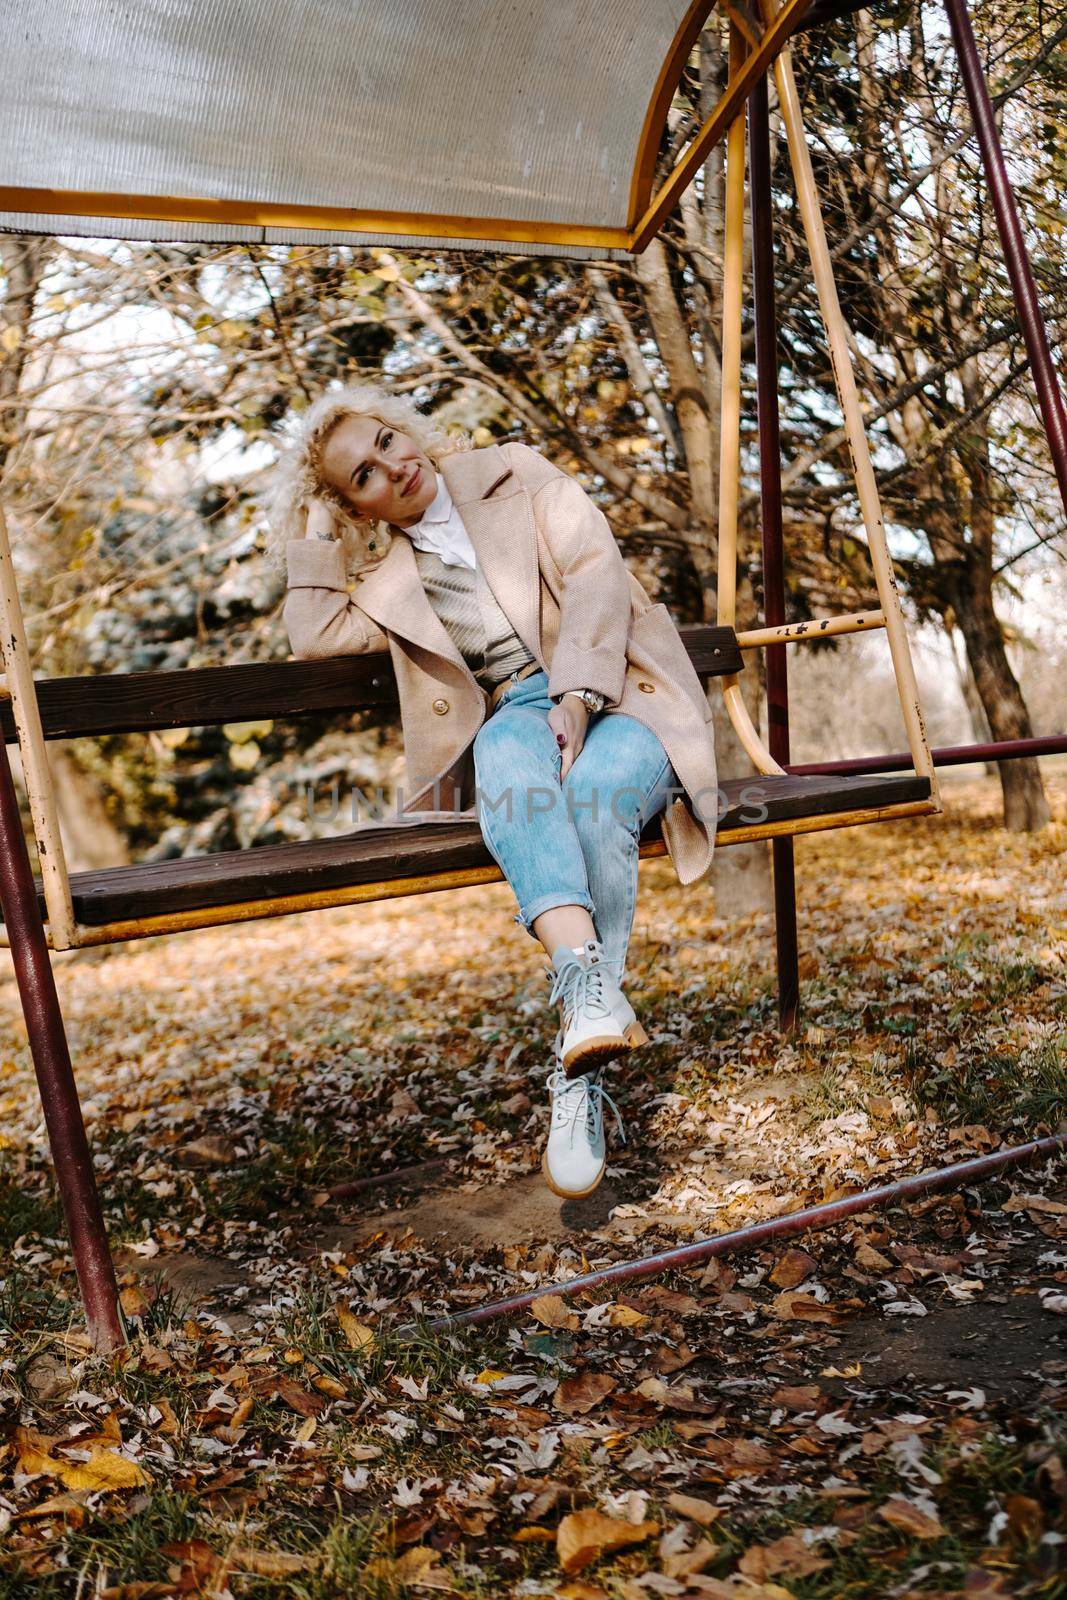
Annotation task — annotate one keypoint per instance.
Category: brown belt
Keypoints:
(509, 683)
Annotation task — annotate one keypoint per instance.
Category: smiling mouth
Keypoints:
(412, 481)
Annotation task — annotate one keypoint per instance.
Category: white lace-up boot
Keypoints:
(597, 1021)
(576, 1154)
(625, 1014)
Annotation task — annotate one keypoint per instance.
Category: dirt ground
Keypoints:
(873, 1409)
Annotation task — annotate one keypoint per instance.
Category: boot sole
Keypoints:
(608, 1047)
(569, 1194)
(604, 1049)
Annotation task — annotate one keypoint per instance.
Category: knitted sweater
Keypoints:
(468, 609)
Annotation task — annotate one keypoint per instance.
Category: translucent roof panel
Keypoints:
(503, 123)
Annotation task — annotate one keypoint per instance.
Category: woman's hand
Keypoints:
(318, 519)
(569, 719)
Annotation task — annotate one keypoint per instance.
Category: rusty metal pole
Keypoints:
(956, 1176)
(55, 1075)
(1016, 257)
(770, 466)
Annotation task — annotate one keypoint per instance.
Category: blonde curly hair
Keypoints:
(297, 474)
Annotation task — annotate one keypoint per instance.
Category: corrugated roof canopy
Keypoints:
(477, 123)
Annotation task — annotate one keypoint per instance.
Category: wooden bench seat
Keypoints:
(377, 853)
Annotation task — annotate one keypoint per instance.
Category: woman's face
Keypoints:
(380, 472)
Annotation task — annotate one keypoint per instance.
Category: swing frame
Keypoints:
(758, 44)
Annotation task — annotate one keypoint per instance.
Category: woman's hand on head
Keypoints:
(569, 718)
(318, 519)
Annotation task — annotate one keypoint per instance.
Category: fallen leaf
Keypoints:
(871, 1259)
(70, 1507)
(169, 1425)
(300, 1400)
(625, 1317)
(792, 1268)
(105, 1470)
(34, 1451)
(210, 1151)
(789, 1554)
(357, 1337)
(552, 1311)
(584, 1536)
(1035, 1202)
(798, 1397)
(738, 1458)
(575, 1396)
(139, 1589)
(687, 1562)
(329, 1386)
(792, 1307)
(910, 1518)
(133, 1302)
(687, 1505)
(417, 1567)
(269, 1563)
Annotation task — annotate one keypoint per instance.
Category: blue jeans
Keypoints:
(574, 844)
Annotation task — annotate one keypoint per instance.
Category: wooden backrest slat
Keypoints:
(135, 702)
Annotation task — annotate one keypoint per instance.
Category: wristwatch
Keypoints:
(594, 701)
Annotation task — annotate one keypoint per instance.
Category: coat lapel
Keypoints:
(495, 513)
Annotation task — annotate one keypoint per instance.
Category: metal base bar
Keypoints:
(55, 1075)
(824, 1216)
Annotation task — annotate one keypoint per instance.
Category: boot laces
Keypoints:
(580, 988)
(583, 1097)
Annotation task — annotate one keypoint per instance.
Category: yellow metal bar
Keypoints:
(730, 390)
(331, 219)
(814, 628)
(36, 771)
(732, 103)
(730, 417)
(866, 483)
(284, 906)
(840, 819)
(670, 75)
(747, 26)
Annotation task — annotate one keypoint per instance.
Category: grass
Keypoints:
(1026, 1089)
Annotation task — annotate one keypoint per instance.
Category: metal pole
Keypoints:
(954, 755)
(55, 1076)
(824, 1216)
(770, 467)
(1016, 257)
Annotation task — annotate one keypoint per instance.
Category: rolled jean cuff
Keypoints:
(548, 902)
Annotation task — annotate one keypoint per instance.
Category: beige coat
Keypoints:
(553, 564)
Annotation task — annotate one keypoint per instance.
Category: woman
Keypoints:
(537, 682)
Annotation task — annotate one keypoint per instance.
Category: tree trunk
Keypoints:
(90, 838)
(1025, 806)
(981, 733)
(23, 261)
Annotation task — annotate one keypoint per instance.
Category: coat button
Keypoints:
(440, 706)
(647, 688)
